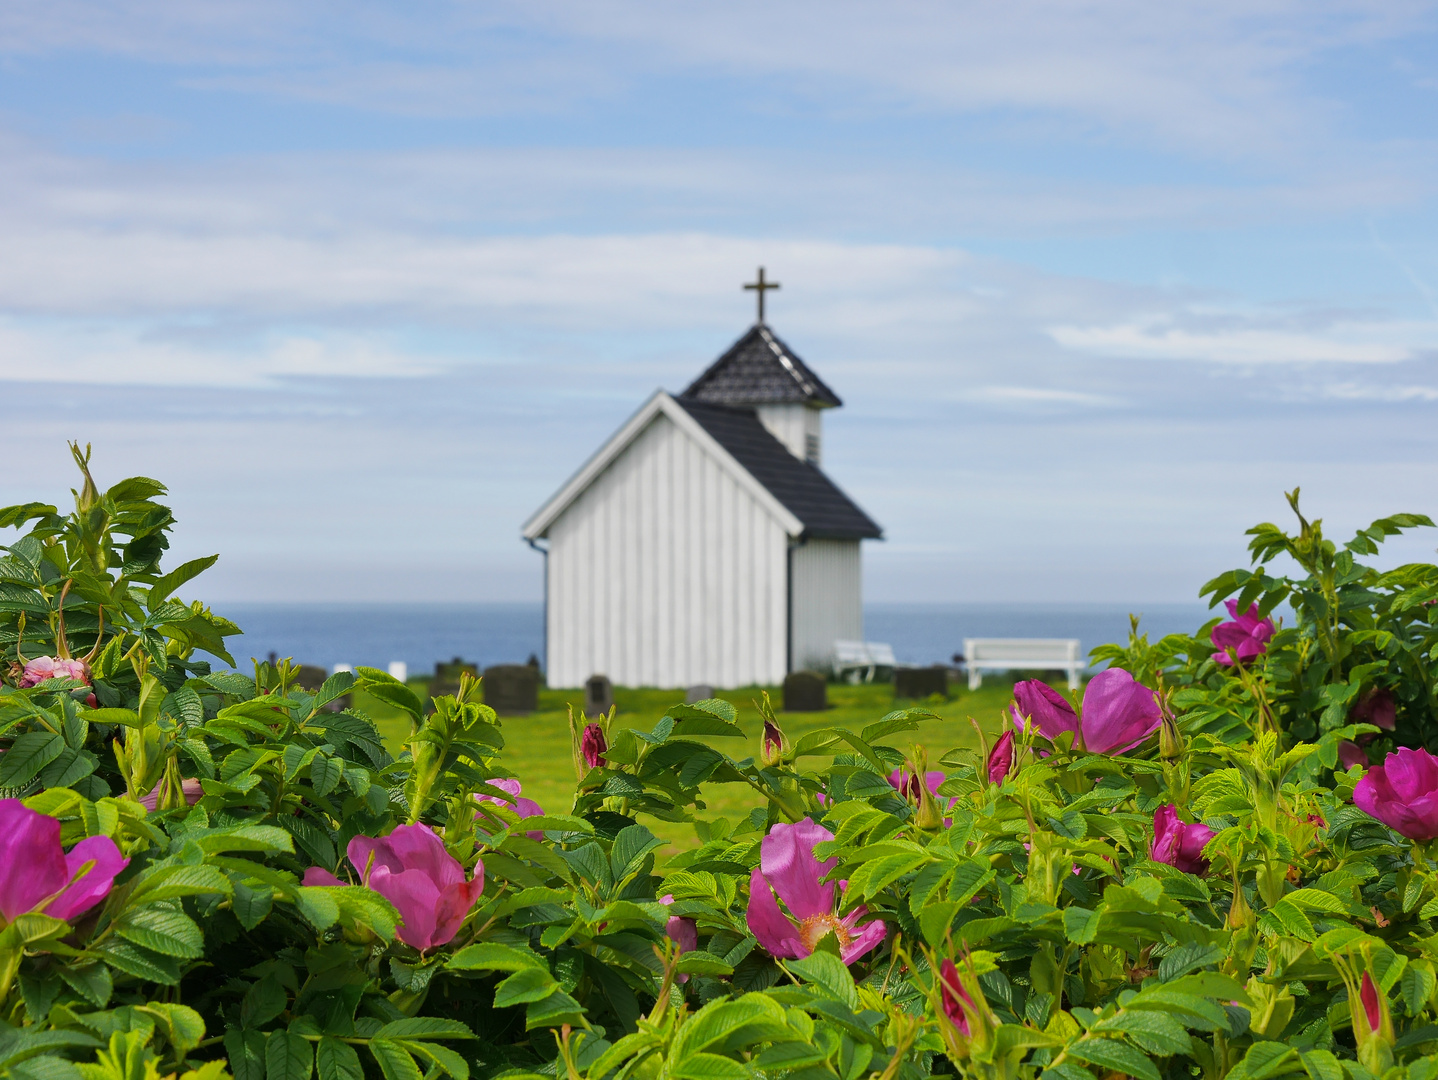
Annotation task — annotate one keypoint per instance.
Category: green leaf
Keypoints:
(326, 773)
(492, 956)
(171, 881)
(182, 1025)
(288, 1057)
(262, 1002)
(699, 962)
(140, 962)
(630, 846)
(530, 984)
(1320, 1065)
(1189, 957)
(27, 755)
(1111, 1054)
(709, 1067)
(337, 1060)
(442, 1056)
(168, 583)
(246, 1051)
(829, 974)
(167, 932)
(1264, 1059)
(1154, 1031)
(425, 1027)
(318, 906)
(92, 982)
(252, 905)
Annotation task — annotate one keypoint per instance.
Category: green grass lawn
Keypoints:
(537, 746)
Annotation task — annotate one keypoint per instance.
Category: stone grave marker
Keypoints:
(701, 692)
(511, 689)
(805, 691)
(921, 683)
(598, 695)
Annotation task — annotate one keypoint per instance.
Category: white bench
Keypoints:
(861, 660)
(1010, 653)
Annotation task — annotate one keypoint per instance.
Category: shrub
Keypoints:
(212, 874)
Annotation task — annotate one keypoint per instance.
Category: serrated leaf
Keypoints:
(288, 1057)
(337, 1060)
(529, 984)
(1112, 1054)
(170, 933)
(425, 1027)
(827, 972)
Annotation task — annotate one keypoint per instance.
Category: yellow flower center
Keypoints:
(813, 929)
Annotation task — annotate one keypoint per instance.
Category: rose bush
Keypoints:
(210, 874)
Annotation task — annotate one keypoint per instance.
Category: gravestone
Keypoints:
(511, 689)
(701, 692)
(598, 696)
(805, 691)
(921, 683)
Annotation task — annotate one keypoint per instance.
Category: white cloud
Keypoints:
(125, 356)
(1159, 339)
(1037, 396)
(1351, 391)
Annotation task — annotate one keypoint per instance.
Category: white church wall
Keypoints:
(827, 600)
(666, 572)
(799, 427)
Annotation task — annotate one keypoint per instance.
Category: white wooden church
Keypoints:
(703, 543)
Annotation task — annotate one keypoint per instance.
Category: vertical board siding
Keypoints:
(828, 600)
(791, 424)
(666, 572)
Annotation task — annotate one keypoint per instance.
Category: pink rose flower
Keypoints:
(1118, 712)
(34, 867)
(1001, 758)
(1177, 843)
(1402, 793)
(411, 869)
(788, 867)
(524, 807)
(1246, 637)
(593, 746)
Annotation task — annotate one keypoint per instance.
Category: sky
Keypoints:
(364, 283)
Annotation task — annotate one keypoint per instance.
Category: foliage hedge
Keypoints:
(209, 874)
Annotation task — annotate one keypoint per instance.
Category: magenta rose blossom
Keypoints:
(593, 746)
(1375, 706)
(1178, 844)
(1118, 712)
(788, 867)
(902, 781)
(411, 869)
(1001, 758)
(524, 807)
(34, 867)
(1036, 700)
(1351, 754)
(683, 931)
(1245, 637)
(954, 997)
(1402, 793)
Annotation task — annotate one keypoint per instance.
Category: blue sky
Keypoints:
(364, 283)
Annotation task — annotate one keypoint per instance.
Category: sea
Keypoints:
(421, 635)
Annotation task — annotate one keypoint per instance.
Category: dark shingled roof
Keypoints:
(759, 369)
(825, 511)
